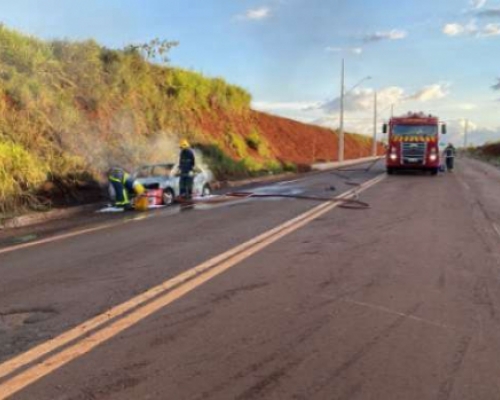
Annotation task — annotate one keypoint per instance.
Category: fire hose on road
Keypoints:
(351, 204)
(347, 179)
(346, 203)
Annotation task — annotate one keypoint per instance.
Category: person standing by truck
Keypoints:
(449, 153)
(187, 163)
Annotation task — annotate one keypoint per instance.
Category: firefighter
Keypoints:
(123, 188)
(449, 153)
(187, 164)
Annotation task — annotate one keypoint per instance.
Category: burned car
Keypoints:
(162, 182)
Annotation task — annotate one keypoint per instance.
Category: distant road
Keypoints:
(265, 298)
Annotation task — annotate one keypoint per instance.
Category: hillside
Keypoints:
(70, 110)
(489, 152)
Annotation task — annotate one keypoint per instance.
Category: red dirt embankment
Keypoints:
(304, 144)
(490, 149)
(288, 140)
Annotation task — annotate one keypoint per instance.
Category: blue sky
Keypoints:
(437, 56)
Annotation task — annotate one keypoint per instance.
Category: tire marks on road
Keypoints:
(457, 361)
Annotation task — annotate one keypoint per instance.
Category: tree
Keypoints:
(155, 50)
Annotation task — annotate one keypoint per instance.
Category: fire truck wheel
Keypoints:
(435, 171)
(390, 171)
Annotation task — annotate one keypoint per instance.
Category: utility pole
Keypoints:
(392, 110)
(466, 133)
(341, 123)
(375, 117)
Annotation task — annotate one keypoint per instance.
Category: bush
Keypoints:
(238, 144)
(193, 90)
(273, 167)
(254, 167)
(20, 173)
(222, 166)
(254, 140)
(290, 167)
(258, 143)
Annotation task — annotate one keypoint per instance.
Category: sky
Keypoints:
(435, 56)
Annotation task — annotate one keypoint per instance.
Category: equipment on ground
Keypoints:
(141, 203)
(413, 143)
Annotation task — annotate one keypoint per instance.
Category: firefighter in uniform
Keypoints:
(123, 188)
(449, 153)
(187, 164)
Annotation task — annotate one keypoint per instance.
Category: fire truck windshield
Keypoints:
(415, 130)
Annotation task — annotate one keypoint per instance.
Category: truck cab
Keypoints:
(413, 143)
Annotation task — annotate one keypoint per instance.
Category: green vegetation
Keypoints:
(222, 166)
(20, 173)
(290, 167)
(256, 142)
(225, 168)
(253, 166)
(69, 110)
(238, 144)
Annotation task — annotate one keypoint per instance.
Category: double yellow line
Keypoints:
(29, 367)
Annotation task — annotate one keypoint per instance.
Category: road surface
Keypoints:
(265, 298)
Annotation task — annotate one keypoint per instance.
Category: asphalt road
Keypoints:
(399, 301)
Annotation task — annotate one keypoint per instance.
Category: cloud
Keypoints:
(497, 85)
(477, 134)
(477, 4)
(360, 100)
(431, 92)
(456, 29)
(362, 126)
(471, 29)
(283, 106)
(358, 106)
(493, 12)
(453, 29)
(491, 30)
(466, 106)
(395, 34)
(353, 50)
(256, 14)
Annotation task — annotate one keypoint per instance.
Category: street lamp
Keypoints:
(343, 93)
(375, 117)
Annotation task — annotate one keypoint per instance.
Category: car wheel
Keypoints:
(390, 171)
(168, 197)
(206, 191)
(434, 171)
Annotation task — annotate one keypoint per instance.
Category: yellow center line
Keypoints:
(140, 307)
(61, 340)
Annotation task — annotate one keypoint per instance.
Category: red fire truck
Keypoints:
(413, 143)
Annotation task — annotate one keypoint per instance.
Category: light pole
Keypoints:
(343, 93)
(341, 119)
(375, 117)
(466, 132)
